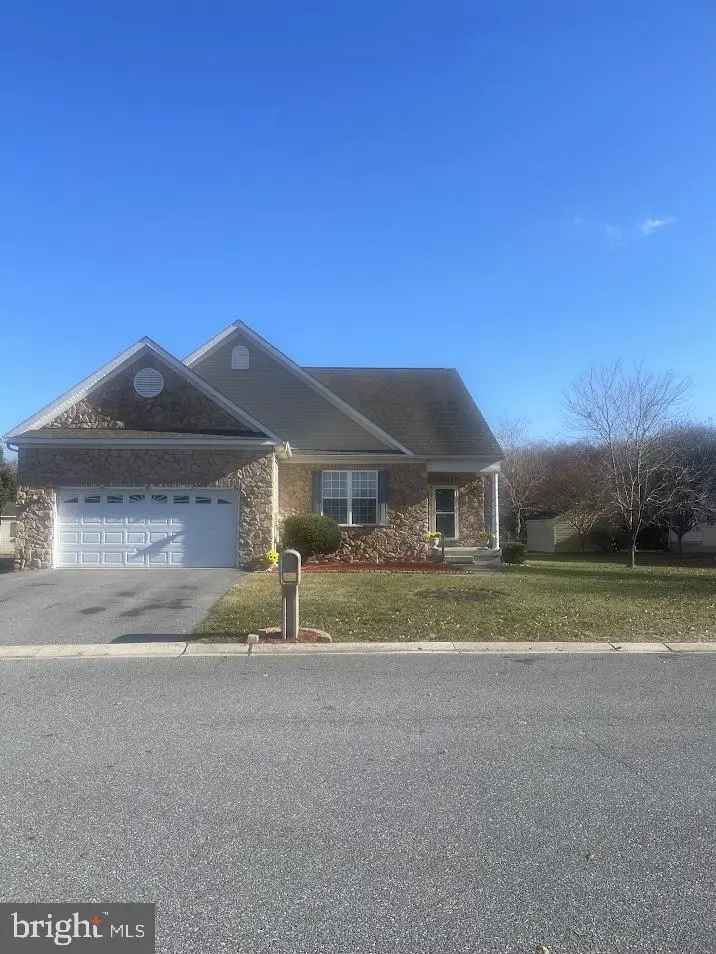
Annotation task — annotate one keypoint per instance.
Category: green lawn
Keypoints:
(558, 598)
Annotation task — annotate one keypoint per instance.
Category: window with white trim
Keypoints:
(350, 496)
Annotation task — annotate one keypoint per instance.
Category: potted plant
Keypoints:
(271, 558)
(434, 539)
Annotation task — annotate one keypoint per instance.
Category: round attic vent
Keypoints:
(148, 382)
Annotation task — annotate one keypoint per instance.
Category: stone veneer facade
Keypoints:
(470, 505)
(408, 513)
(179, 406)
(41, 469)
(264, 486)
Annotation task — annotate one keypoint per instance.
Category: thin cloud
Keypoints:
(651, 225)
(620, 233)
(613, 232)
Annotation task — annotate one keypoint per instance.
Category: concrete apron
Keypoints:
(188, 648)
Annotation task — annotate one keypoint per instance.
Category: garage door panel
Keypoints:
(162, 529)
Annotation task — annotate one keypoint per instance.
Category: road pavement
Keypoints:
(369, 803)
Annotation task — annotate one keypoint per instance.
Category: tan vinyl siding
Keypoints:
(282, 401)
(540, 536)
(554, 535)
(701, 539)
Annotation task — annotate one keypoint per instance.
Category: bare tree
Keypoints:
(523, 470)
(575, 488)
(8, 481)
(628, 416)
(694, 495)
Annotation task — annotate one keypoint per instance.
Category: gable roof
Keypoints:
(428, 409)
(349, 410)
(117, 364)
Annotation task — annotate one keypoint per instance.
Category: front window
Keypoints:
(350, 496)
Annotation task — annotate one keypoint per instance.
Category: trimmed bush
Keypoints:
(514, 553)
(311, 534)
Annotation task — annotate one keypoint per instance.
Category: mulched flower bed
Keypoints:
(416, 567)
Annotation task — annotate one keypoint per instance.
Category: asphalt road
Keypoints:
(383, 804)
(97, 606)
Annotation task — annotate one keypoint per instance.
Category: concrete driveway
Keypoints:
(96, 606)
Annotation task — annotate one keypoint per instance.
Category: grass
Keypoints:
(562, 597)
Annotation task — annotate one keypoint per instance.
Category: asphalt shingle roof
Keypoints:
(429, 410)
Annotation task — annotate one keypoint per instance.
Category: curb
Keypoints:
(174, 650)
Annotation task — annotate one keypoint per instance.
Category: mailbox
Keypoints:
(290, 576)
(290, 568)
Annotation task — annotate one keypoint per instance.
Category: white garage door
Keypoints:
(152, 528)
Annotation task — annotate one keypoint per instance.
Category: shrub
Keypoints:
(311, 534)
(609, 541)
(514, 553)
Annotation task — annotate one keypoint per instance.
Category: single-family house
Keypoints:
(154, 462)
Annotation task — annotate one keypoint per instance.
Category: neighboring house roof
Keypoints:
(428, 409)
(10, 511)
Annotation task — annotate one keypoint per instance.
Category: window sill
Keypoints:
(362, 526)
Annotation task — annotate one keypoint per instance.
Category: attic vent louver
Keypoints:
(148, 382)
(240, 359)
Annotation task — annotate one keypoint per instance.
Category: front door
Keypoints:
(446, 511)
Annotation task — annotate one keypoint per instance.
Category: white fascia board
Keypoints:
(211, 392)
(463, 465)
(357, 457)
(47, 440)
(66, 400)
(210, 344)
(300, 372)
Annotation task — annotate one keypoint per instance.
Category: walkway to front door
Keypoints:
(445, 509)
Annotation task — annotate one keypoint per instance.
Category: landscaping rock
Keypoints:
(306, 634)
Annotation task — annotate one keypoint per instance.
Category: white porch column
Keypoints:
(495, 509)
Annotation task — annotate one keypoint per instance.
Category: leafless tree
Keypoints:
(8, 481)
(628, 414)
(574, 486)
(694, 496)
(523, 470)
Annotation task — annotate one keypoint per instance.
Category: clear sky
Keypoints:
(518, 190)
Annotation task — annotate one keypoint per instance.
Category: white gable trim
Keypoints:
(180, 440)
(290, 365)
(113, 367)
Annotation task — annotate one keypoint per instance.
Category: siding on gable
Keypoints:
(285, 403)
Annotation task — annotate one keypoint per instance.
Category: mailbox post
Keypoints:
(290, 574)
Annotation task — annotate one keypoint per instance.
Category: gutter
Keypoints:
(188, 442)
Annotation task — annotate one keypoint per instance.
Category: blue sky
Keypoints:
(519, 190)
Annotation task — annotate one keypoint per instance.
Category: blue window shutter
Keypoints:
(383, 491)
(317, 502)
